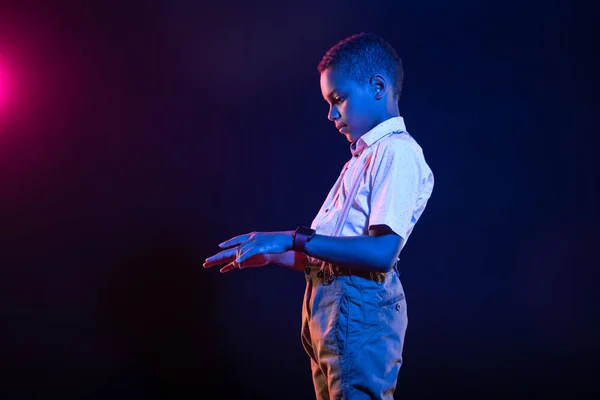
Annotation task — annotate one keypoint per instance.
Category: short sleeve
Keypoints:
(395, 186)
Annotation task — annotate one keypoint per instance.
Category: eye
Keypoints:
(337, 100)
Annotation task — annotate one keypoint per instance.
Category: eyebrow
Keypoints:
(332, 92)
(330, 95)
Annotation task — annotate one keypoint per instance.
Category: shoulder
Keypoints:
(398, 145)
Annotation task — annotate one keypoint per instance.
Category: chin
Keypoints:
(352, 138)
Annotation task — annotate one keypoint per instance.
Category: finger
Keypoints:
(223, 257)
(235, 240)
(246, 254)
(228, 267)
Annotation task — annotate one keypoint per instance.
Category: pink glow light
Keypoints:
(3, 87)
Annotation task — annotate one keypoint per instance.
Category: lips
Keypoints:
(338, 127)
(342, 128)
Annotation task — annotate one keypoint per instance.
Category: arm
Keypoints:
(377, 252)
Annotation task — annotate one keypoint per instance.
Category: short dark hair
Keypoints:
(361, 56)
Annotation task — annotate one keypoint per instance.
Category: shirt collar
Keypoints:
(390, 125)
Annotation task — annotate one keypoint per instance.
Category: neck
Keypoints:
(391, 110)
(387, 113)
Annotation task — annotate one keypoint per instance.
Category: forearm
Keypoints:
(291, 259)
(359, 252)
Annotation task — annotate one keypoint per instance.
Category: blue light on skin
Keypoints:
(354, 107)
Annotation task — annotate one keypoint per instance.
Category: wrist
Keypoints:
(301, 236)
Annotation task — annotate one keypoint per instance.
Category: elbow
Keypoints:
(386, 265)
(384, 262)
(388, 253)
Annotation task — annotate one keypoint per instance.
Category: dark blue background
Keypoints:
(142, 134)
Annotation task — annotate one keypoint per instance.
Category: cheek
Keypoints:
(349, 111)
(354, 114)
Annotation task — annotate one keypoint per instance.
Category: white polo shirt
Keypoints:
(393, 190)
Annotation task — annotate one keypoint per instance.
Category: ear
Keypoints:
(379, 86)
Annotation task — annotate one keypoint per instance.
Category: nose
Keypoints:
(333, 114)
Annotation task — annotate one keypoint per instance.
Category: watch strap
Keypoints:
(302, 235)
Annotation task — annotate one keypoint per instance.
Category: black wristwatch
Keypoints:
(302, 235)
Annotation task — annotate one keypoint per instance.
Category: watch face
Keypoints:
(304, 231)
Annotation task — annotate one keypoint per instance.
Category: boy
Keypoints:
(354, 312)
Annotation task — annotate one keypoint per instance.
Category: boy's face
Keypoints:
(352, 107)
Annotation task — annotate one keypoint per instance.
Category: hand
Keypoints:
(254, 249)
(229, 256)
